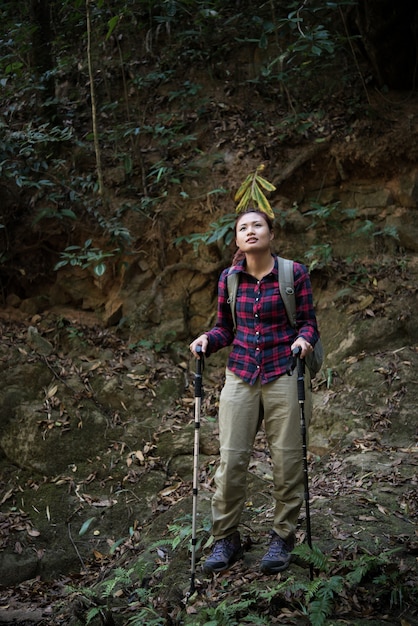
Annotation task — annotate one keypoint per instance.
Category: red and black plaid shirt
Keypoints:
(261, 344)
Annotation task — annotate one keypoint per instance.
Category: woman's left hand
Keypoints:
(304, 345)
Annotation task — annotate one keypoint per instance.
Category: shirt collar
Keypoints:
(240, 267)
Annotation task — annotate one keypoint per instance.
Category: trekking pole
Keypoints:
(296, 360)
(198, 392)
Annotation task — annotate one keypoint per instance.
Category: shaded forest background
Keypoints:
(125, 130)
(116, 118)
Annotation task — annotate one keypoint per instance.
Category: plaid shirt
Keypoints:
(261, 344)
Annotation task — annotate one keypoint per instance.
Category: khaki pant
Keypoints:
(242, 407)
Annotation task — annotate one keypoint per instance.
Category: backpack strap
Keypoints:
(232, 283)
(287, 288)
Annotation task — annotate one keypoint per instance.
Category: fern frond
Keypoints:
(141, 569)
(312, 588)
(321, 607)
(161, 543)
(313, 556)
(91, 614)
(319, 610)
(256, 620)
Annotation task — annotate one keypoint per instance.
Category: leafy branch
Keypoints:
(251, 191)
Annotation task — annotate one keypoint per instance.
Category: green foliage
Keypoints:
(128, 581)
(225, 613)
(325, 215)
(303, 42)
(297, 41)
(318, 256)
(25, 154)
(379, 574)
(181, 531)
(147, 616)
(221, 232)
(332, 578)
(156, 346)
(327, 219)
(85, 256)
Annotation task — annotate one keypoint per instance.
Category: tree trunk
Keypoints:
(42, 56)
(389, 39)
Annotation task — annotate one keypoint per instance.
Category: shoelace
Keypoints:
(222, 546)
(278, 547)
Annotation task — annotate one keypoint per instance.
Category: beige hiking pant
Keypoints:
(242, 407)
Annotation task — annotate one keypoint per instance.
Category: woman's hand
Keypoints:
(304, 345)
(201, 341)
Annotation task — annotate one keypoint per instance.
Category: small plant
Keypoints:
(319, 256)
(220, 232)
(123, 582)
(324, 215)
(182, 531)
(226, 613)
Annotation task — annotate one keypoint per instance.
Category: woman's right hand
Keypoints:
(201, 341)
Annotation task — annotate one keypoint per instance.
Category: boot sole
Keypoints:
(266, 568)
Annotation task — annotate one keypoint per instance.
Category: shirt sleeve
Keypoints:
(222, 334)
(306, 323)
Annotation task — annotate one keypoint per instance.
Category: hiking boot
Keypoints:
(278, 555)
(225, 552)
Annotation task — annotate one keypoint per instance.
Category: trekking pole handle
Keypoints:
(292, 362)
(301, 379)
(198, 375)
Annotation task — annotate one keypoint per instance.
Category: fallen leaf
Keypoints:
(6, 496)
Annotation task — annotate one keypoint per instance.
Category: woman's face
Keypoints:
(253, 233)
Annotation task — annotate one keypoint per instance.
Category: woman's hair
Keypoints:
(239, 255)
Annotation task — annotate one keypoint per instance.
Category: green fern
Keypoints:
(147, 616)
(256, 620)
(314, 556)
(121, 578)
(319, 594)
(141, 568)
(323, 603)
(224, 614)
(92, 613)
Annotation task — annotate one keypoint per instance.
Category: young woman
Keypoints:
(257, 387)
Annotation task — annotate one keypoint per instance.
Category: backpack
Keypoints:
(286, 285)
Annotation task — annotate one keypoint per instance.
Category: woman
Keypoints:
(257, 387)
